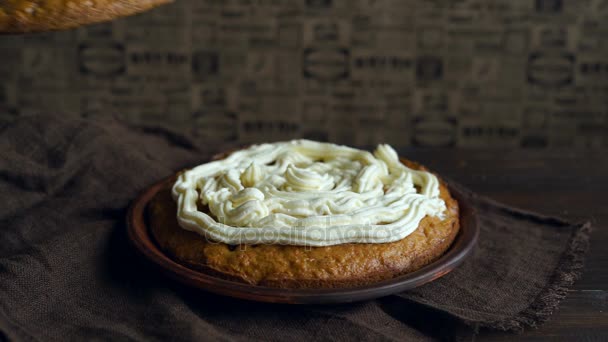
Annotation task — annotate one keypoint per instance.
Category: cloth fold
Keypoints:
(67, 270)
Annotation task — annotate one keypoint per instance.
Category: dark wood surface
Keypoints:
(570, 184)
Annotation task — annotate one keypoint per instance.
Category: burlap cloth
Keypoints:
(67, 271)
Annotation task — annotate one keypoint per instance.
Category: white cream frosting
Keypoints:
(304, 192)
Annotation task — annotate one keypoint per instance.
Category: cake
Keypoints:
(18, 16)
(304, 214)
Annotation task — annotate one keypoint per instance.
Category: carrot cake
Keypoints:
(305, 214)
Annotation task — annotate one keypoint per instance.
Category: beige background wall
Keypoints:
(511, 73)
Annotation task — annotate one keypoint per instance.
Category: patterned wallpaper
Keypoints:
(468, 73)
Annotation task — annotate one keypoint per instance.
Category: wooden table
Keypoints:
(570, 184)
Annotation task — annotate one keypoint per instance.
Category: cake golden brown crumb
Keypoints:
(288, 266)
(18, 16)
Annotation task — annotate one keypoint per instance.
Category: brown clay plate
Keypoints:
(143, 241)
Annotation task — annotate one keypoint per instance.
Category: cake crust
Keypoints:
(287, 266)
(20, 16)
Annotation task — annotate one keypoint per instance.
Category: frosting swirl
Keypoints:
(303, 192)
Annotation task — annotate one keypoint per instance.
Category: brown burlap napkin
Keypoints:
(67, 271)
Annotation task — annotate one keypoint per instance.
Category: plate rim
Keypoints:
(139, 235)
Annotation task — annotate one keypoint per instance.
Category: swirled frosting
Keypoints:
(304, 192)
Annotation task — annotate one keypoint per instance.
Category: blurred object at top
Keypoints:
(20, 16)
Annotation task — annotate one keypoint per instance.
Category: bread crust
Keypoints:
(286, 266)
(20, 16)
